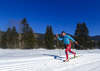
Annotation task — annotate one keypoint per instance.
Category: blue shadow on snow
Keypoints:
(55, 56)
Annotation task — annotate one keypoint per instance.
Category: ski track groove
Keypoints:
(28, 63)
(19, 66)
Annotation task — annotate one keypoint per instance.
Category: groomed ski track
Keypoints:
(48, 60)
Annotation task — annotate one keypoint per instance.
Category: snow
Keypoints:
(48, 60)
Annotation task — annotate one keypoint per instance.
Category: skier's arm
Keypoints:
(58, 37)
(71, 38)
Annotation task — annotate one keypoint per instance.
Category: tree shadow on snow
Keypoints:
(54, 56)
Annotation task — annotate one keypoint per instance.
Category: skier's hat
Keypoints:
(62, 32)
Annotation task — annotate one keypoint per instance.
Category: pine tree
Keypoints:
(82, 36)
(78, 36)
(14, 37)
(4, 41)
(25, 30)
(25, 26)
(20, 35)
(9, 37)
(0, 38)
(85, 30)
(87, 38)
(30, 42)
(98, 44)
(28, 38)
(78, 30)
(49, 38)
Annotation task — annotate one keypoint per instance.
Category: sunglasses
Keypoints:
(61, 33)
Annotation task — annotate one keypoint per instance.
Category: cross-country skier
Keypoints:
(66, 39)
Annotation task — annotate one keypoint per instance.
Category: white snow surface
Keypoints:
(48, 60)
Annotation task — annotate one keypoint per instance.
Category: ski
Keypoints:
(74, 57)
(71, 58)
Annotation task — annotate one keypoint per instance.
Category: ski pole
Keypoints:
(82, 47)
(58, 47)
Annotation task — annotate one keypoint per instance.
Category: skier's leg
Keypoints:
(66, 52)
(71, 51)
(66, 55)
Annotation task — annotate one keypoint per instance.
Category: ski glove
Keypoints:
(56, 35)
(76, 42)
